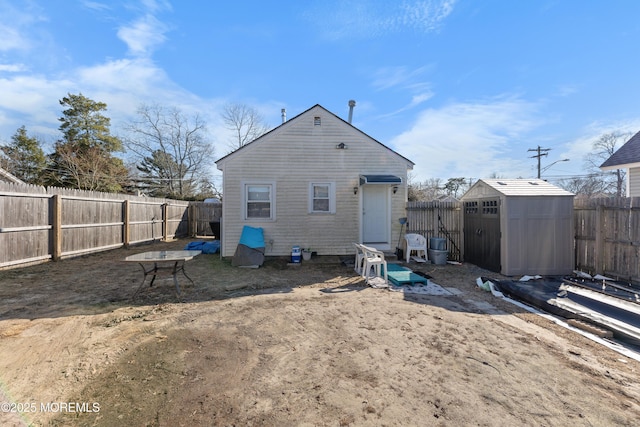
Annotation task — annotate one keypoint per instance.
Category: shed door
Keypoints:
(482, 233)
(375, 214)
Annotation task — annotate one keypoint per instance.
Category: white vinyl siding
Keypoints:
(633, 182)
(291, 157)
(322, 197)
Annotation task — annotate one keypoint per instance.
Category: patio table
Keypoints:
(160, 259)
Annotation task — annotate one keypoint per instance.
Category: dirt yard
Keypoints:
(282, 345)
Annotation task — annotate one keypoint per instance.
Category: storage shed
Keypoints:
(519, 226)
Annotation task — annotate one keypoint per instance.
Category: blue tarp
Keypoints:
(252, 237)
(250, 249)
(205, 247)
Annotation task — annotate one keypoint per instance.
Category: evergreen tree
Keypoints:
(162, 174)
(83, 158)
(24, 157)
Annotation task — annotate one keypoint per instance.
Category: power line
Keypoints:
(541, 152)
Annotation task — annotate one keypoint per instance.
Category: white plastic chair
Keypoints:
(359, 261)
(415, 243)
(374, 258)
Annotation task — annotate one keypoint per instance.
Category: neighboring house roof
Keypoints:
(7, 177)
(523, 187)
(627, 156)
(233, 153)
(446, 198)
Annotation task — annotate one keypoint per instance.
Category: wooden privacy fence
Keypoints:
(38, 224)
(607, 233)
(607, 237)
(205, 219)
(438, 219)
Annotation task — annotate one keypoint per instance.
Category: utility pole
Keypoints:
(541, 152)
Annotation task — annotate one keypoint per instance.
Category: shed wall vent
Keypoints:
(317, 121)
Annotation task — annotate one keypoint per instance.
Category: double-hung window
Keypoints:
(259, 201)
(322, 198)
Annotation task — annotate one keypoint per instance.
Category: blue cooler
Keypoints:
(295, 254)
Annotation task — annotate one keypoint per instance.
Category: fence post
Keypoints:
(192, 220)
(126, 232)
(165, 221)
(56, 227)
(599, 249)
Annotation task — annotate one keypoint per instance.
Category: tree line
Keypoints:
(169, 155)
(593, 183)
(168, 152)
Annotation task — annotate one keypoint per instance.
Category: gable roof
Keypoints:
(277, 128)
(626, 156)
(522, 187)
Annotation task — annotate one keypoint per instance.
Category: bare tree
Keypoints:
(604, 148)
(585, 186)
(172, 150)
(245, 122)
(428, 189)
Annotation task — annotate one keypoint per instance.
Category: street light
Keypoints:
(548, 166)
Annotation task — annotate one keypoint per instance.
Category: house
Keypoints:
(7, 177)
(627, 157)
(519, 226)
(317, 182)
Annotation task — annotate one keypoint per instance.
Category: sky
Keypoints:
(463, 88)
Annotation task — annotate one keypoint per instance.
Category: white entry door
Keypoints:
(375, 214)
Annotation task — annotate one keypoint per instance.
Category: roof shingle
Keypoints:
(628, 154)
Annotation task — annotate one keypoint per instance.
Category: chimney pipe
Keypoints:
(352, 104)
(284, 115)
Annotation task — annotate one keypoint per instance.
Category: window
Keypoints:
(259, 203)
(322, 197)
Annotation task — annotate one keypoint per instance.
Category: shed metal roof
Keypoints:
(525, 187)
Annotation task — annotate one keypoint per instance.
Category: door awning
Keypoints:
(380, 179)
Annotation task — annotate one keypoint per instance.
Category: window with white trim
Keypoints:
(322, 197)
(259, 201)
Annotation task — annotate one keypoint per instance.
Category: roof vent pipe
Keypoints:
(284, 115)
(352, 104)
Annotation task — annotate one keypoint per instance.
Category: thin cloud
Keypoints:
(143, 36)
(15, 26)
(389, 77)
(13, 68)
(406, 80)
(96, 6)
(364, 19)
(425, 16)
(12, 39)
(154, 6)
(467, 139)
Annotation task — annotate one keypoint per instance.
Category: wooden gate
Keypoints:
(482, 233)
